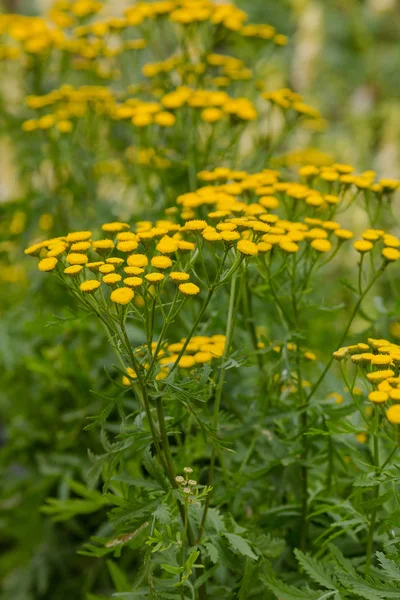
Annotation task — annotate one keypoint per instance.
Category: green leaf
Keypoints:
(315, 570)
(118, 576)
(239, 545)
(288, 592)
(172, 569)
(215, 520)
(389, 566)
(211, 552)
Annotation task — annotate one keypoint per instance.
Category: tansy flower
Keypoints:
(391, 254)
(133, 281)
(167, 245)
(395, 395)
(77, 259)
(179, 276)
(114, 260)
(247, 247)
(103, 246)
(154, 277)
(94, 266)
(78, 236)
(56, 250)
(321, 245)
(122, 295)
(185, 246)
(393, 414)
(195, 225)
(378, 376)
(381, 359)
(126, 379)
(137, 260)
(165, 119)
(89, 286)
(378, 397)
(189, 289)
(114, 227)
(287, 246)
(161, 262)
(211, 115)
(229, 236)
(112, 278)
(127, 246)
(80, 246)
(344, 234)
(73, 270)
(47, 264)
(105, 269)
(363, 246)
(133, 270)
(186, 362)
(34, 249)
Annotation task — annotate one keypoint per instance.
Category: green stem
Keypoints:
(371, 529)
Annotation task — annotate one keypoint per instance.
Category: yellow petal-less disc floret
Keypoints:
(390, 254)
(75, 258)
(179, 276)
(378, 397)
(378, 376)
(155, 277)
(73, 270)
(363, 246)
(89, 286)
(78, 236)
(189, 289)
(133, 281)
(112, 278)
(127, 246)
(114, 227)
(122, 295)
(48, 264)
(393, 414)
(161, 262)
(247, 247)
(137, 260)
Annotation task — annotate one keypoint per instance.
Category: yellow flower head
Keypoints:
(122, 295)
(79, 236)
(154, 277)
(89, 286)
(133, 281)
(393, 414)
(114, 227)
(179, 276)
(378, 397)
(47, 264)
(137, 260)
(247, 247)
(127, 246)
(73, 270)
(390, 254)
(189, 289)
(77, 259)
(363, 246)
(321, 245)
(161, 262)
(112, 278)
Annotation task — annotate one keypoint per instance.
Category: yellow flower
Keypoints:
(47, 264)
(381, 359)
(211, 115)
(186, 362)
(78, 236)
(89, 286)
(195, 225)
(247, 247)
(133, 281)
(391, 254)
(64, 126)
(344, 234)
(310, 355)
(94, 266)
(154, 277)
(137, 260)
(167, 245)
(77, 259)
(73, 270)
(185, 246)
(127, 246)
(395, 395)
(103, 246)
(321, 245)
(393, 414)
(165, 119)
(133, 270)
(105, 269)
(229, 236)
(161, 262)
(179, 276)
(142, 119)
(378, 376)
(114, 227)
(189, 289)
(112, 278)
(288, 246)
(363, 246)
(80, 246)
(361, 438)
(378, 397)
(122, 295)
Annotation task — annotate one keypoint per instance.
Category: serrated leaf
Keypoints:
(118, 577)
(211, 552)
(240, 546)
(315, 570)
(288, 592)
(389, 566)
(215, 520)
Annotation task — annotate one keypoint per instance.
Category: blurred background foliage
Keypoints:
(343, 56)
